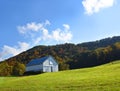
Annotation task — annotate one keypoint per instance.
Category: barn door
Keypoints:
(51, 69)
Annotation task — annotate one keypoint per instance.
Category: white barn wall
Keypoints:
(35, 68)
(47, 67)
(46, 63)
(56, 68)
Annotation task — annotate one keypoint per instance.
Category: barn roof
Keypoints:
(37, 61)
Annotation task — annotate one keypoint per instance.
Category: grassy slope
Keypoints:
(101, 78)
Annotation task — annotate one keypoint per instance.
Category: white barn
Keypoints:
(44, 64)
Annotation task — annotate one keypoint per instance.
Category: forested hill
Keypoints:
(100, 43)
(69, 56)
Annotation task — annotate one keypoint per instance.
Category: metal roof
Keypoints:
(37, 61)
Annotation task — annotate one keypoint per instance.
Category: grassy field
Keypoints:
(100, 78)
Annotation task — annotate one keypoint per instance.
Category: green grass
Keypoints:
(100, 78)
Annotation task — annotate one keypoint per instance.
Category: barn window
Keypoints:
(50, 63)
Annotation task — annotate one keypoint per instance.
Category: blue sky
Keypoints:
(27, 23)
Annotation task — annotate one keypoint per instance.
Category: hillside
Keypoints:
(69, 56)
(100, 78)
(100, 43)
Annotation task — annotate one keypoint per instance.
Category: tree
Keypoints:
(18, 69)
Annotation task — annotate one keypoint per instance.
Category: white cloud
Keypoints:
(37, 40)
(33, 26)
(61, 35)
(66, 26)
(45, 34)
(41, 33)
(94, 6)
(47, 22)
(8, 50)
(30, 27)
(23, 46)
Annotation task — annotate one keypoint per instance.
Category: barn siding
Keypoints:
(50, 65)
(35, 68)
(56, 68)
